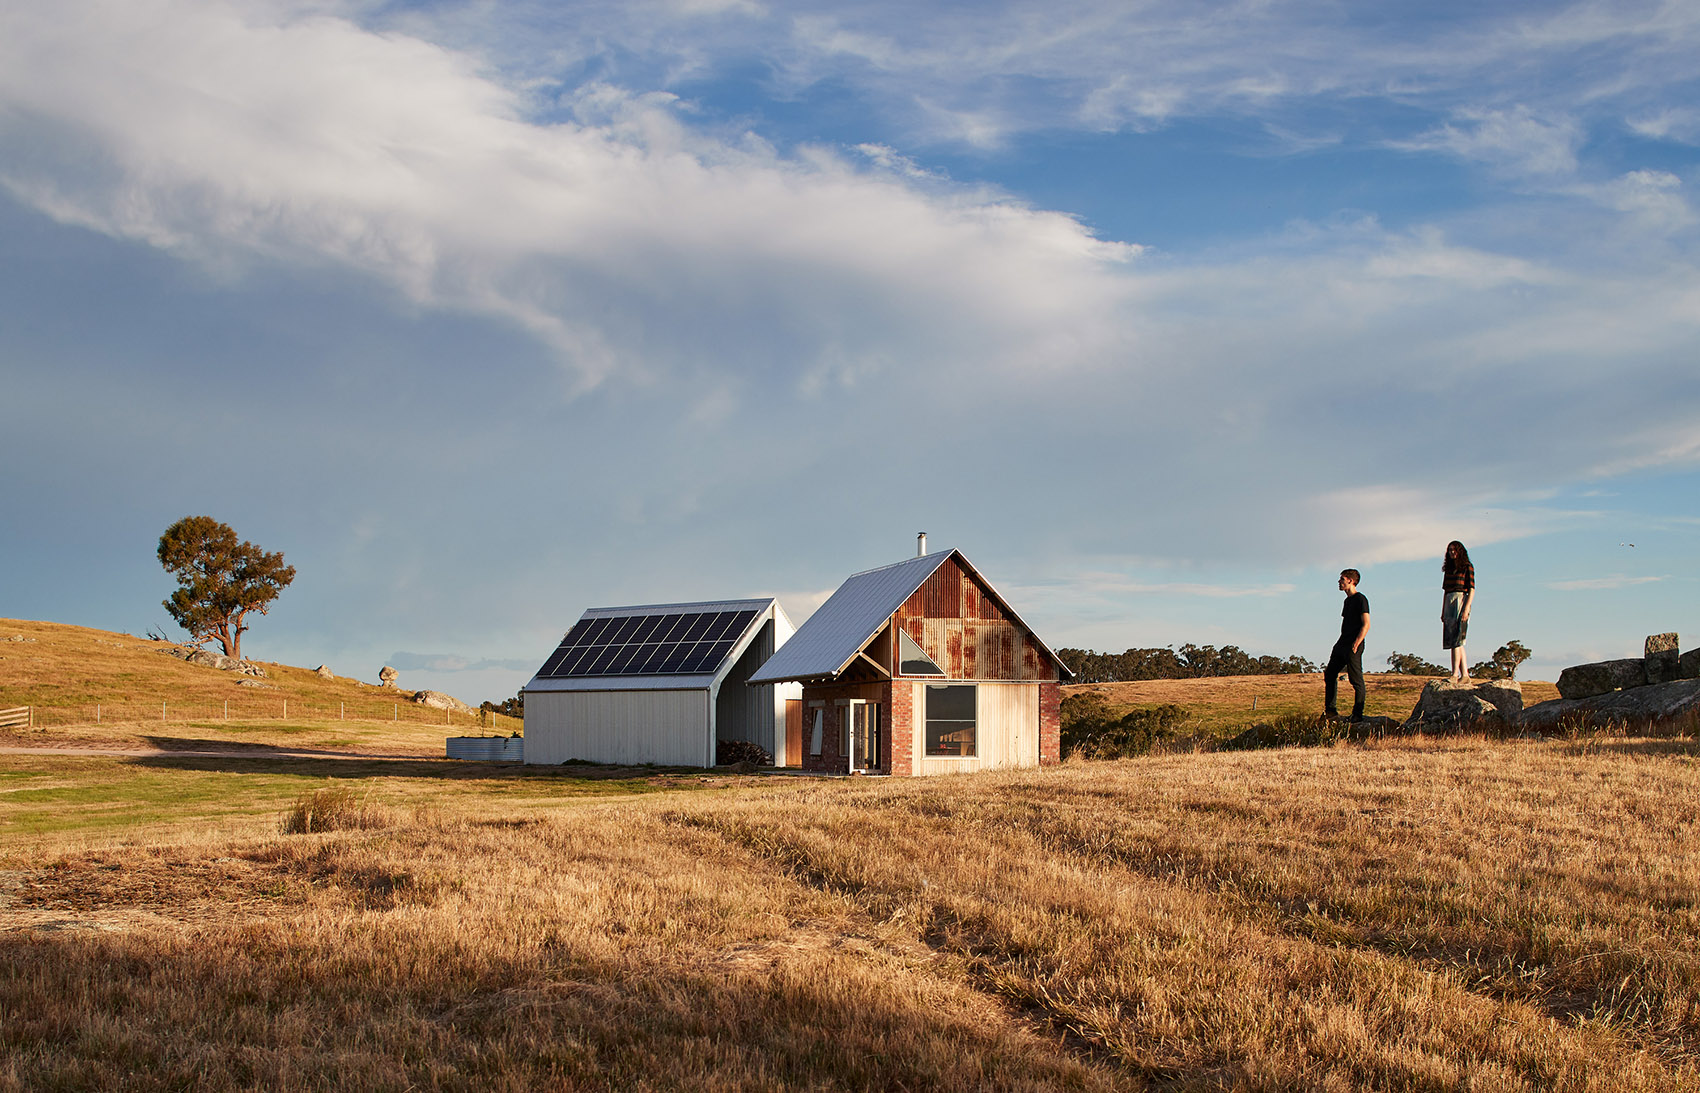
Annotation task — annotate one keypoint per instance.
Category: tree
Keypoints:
(1509, 656)
(1410, 664)
(219, 580)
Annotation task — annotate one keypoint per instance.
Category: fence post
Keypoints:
(162, 711)
(286, 709)
(395, 711)
(227, 709)
(342, 711)
(97, 713)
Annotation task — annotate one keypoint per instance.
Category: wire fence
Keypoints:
(256, 710)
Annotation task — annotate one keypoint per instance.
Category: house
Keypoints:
(660, 684)
(920, 667)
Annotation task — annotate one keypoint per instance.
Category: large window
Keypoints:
(951, 724)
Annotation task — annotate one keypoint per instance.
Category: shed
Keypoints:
(920, 667)
(659, 683)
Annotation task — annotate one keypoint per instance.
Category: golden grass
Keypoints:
(95, 688)
(1222, 706)
(1451, 914)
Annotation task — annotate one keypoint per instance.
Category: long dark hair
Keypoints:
(1455, 564)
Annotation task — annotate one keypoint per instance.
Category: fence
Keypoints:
(17, 717)
(258, 709)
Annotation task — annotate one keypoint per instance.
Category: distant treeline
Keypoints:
(1188, 662)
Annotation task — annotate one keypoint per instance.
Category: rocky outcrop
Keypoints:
(1601, 677)
(208, 659)
(1662, 661)
(323, 671)
(1634, 707)
(1445, 706)
(437, 700)
(1688, 665)
(386, 676)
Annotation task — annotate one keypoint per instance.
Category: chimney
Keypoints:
(921, 545)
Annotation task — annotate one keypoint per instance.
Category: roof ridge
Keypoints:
(906, 561)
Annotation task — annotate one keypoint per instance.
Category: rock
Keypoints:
(386, 676)
(437, 700)
(1448, 706)
(1663, 660)
(19, 637)
(1601, 677)
(256, 683)
(220, 661)
(323, 672)
(1688, 665)
(1635, 707)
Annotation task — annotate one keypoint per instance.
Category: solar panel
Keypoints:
(665, 643)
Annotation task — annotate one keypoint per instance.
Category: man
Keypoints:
(1348, 652)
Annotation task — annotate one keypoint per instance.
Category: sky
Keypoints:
(1161, 312)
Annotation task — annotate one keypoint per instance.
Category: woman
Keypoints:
(1458, 590)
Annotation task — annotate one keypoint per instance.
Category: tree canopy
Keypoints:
(220, 580)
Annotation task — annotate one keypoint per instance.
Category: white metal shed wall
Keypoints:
(665, 727)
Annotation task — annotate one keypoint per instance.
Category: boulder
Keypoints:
(1663, 661)
(1601, 677)
(323, 671)
(1634, 708)
(386, 676)
(223, 663)
(437, 700)
(1688, 665)
(1448, 706)
(256, 683)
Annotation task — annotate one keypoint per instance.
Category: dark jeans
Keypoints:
(1344, 657)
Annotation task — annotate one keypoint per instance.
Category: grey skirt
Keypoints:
(1452, 624)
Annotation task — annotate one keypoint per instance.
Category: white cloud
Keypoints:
(188, 125)
(1601, 584)
(1513, 141)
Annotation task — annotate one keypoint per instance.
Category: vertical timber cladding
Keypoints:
(967, 633)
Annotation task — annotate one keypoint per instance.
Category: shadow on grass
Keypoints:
(454, 770)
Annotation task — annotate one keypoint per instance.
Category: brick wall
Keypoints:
(1050, 723)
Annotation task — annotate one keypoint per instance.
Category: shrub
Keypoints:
(732, 752)
(1091, 730)
(333, 809)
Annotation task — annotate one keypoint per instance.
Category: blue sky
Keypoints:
(1161, 312)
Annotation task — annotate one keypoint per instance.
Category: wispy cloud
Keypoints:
(1601, 584)
(450, 662)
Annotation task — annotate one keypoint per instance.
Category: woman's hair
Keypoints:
(1452, 563)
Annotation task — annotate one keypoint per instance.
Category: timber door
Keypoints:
(864, 737)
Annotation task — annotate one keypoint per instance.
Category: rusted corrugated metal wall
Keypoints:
(965, 631)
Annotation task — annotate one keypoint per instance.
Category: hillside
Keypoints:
(99, 687)
(1222, 705)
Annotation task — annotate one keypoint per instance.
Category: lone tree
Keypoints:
(219, 580)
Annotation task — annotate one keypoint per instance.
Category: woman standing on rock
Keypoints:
(1458, 591)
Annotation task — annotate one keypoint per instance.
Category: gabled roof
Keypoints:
(842, 626)
(665, 646)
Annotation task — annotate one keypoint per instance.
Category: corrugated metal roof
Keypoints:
(839, 628)
(765, 609)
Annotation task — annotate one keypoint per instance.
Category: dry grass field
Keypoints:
(1452, 914)
(1422, 914)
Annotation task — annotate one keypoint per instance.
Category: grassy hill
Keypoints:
(1223, 705)
(99, 687)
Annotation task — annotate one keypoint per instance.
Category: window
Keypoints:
(951, 724)
(815, 739)
(912, 660)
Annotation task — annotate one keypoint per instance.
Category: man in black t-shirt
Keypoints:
(1348, 653)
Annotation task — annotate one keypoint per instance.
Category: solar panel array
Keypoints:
(689, 643)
